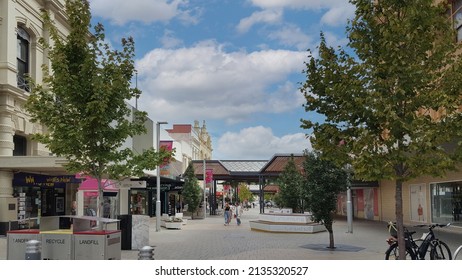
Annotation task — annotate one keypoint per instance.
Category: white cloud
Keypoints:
(291, 35)
(205, 81)
(120, 12)
(265, 16)
(298, 4)
(258, 143)
(169, 40)
(337, 10)
(338, 16)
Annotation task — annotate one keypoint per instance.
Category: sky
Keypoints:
(235, 64)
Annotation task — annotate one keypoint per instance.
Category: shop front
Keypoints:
(142, 201)
(364, 198)
(41, 195)
(446, 202)
(87, 203)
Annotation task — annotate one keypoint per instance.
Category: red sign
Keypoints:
(165, 168)
(208, 176)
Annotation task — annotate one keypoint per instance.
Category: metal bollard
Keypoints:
(33, 251)
(146, 253)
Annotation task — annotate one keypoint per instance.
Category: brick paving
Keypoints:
(209, 239)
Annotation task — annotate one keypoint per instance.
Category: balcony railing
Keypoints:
(22, 83)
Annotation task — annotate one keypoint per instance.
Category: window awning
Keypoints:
(91, 184)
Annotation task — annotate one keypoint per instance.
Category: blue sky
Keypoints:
(237, 64)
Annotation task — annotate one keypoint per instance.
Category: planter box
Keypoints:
(173, 225)
(286, 218)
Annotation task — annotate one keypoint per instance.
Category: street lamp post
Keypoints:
(158, 179)
(205, 186)
(349, 202)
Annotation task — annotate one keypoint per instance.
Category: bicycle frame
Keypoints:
(419, 251)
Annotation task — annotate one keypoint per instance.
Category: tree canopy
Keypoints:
(191, 190)
(82, 103)
(324, 180)
(244, 193)
(290, 181)
(392, 106)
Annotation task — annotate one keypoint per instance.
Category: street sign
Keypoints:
(127, 184)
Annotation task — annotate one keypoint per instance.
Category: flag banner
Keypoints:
(165, 168)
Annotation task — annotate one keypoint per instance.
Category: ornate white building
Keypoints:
(195, 142)
(21, 54)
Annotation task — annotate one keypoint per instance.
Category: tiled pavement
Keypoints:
(209, 239)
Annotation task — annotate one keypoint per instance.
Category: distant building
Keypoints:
(195, 140)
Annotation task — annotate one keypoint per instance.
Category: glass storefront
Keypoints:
(139, 202)
(446, 199)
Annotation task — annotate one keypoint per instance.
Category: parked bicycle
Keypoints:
(417, 249)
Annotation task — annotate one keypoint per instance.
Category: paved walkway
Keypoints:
(209, 239)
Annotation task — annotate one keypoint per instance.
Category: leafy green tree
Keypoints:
(244, 193)
(391, 106)
(191, 190)
(82, 102)
(290, 181)
(324, 180)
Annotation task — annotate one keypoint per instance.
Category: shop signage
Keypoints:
(29, 179)
(127, 184)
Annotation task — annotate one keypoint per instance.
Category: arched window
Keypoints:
(23, 58)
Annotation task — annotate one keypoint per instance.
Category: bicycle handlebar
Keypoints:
(430, 226)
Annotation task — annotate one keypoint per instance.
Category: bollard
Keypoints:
(146, 253)
(33, 250)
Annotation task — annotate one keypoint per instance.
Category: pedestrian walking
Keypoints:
(238, 213)
(178, 206)
(227, 213)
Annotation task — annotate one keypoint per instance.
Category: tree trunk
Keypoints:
(399, 219)
(331, 235)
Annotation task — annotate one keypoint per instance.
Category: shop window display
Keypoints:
(138, 202)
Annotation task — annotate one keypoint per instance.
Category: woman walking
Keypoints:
(227, 214)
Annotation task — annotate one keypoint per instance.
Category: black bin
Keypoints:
(126, 231)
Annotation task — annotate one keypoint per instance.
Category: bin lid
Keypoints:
(97, 232)
(57, 231)
(92, 218)
(24, 231)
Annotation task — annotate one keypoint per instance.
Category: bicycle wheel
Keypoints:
(458, 254)
(440, 251)
(393, 253)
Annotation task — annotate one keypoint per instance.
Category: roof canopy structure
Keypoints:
(244, 170)
(255, 170)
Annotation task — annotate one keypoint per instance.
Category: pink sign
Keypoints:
(208, 176)
(165, 168)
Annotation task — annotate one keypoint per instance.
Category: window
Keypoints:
(23, 58)
(20, 145)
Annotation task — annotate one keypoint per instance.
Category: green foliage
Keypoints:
(378, 102)
(244, 193)
(191, 190)
(82, 101)
(290, 181)
(323, 182)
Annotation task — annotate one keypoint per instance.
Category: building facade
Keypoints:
(197, 138)
(22, 55)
